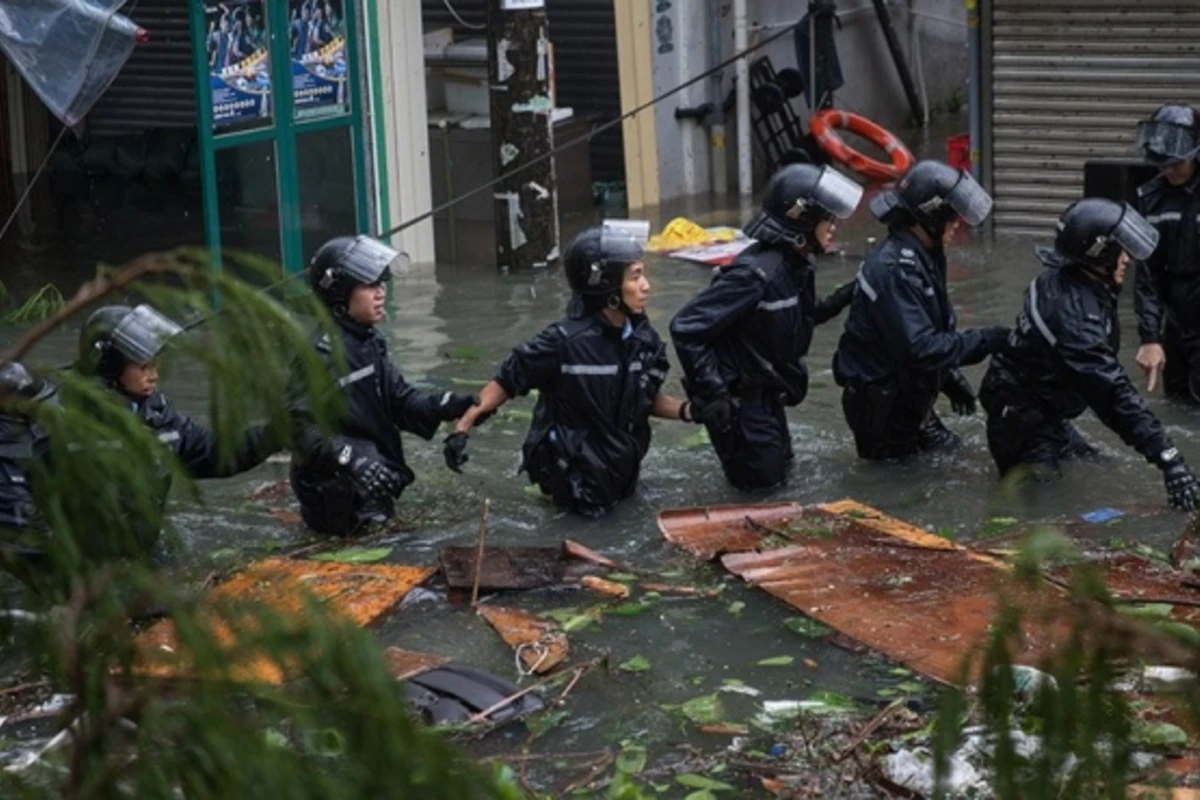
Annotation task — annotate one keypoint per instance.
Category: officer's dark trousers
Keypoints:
(887, 425)
(335, 505)
(1181, 375)
(1026, 437)
(757, 449)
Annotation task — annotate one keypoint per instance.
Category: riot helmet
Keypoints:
(931, 194)
(114, 336)
(1171, 135)
(595, 263)
(1093, 232)
(16, 381)
(799, 197)
(345, 262)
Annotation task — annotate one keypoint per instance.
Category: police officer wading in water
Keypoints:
(900, 347)
(1167, 299)
(1062, 356)
(599, 375)
(350, 480)
(24, 446)
(743, 340)
(120, 346)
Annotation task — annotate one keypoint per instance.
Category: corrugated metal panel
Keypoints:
(1069, 81)
(157, 87)
(585, 52)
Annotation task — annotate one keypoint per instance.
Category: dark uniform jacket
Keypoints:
(749, 331)
(591, 425)
(901, 328)
(1168, 283)
(23, 443)
(1062, 358)
(376, 405)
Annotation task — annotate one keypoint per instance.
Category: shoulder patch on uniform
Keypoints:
(907, 253)
(323, 344)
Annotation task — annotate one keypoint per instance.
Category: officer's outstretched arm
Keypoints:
(491, 397)
(829, 307)
(422, 412)
(199, 452)
(704, 319)
(911, 336)
(1103, 383)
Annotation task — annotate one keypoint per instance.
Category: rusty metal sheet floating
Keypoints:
(540, 644)
(360, 593)
(894, 587)
(404, 664)
(708, 531)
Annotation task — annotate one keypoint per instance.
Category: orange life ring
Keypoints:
(823, 127)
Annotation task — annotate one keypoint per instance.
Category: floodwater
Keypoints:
(450, 326)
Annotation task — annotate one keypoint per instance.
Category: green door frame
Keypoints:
(283, 131)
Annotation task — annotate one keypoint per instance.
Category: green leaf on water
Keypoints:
(1150, 610)
(702, 794)
(621, 577)
(1180, 630)
(694, 781)
(516, 414)
(629, 609)
(737, 607)
(807, 627)
(465, 352)
(560, 614)
(476, 382)
(635, 664)
(777, 661)
(578, 622)
(275, 739)
(910, 687)
(1158, 734)
(702, 710)
(539, 724)
(997, 526)
(355, 555)
(697, 439)
(632, 759)
(900, 671)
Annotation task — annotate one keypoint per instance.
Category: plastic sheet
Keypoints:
(68, 50)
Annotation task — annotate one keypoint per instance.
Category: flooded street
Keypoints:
(449, 327)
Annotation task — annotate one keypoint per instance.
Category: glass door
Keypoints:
(283, 161)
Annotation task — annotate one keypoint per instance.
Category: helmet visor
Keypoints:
(970, 200)
(1165, 141)
(623, 241)
(1135, 235)
(836, 193)
(141, 336)
(371, 261)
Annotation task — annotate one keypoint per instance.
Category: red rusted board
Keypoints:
(708, 531)
(540, 643)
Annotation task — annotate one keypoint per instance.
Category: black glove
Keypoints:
(995, 337)
(958, 390)
(455, 451)
(841, 297)
(376, 479)
(1183, 490)
(453, 405)
(718, 412)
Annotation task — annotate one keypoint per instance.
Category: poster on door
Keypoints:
(239, 63)
(317, 30)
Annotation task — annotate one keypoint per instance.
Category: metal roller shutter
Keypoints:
(1069, 81)
(157, 87)
(585, 67)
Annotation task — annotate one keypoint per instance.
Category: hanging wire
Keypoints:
(32, 182)
(462, 21)
(612, 123)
